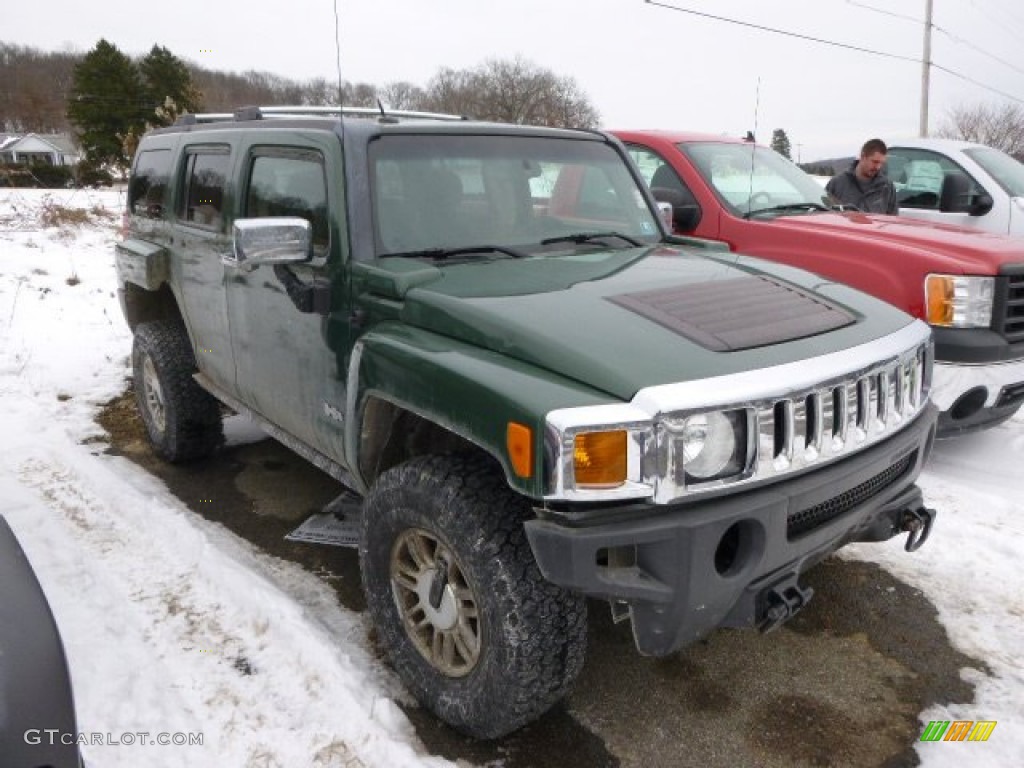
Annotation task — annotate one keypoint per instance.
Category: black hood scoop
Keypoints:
(741, 313)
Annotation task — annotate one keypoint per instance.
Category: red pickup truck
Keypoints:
(969, 286)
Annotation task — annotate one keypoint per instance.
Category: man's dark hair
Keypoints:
(873, 145)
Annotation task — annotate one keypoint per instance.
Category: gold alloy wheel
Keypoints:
(154, 394)
(436, 603)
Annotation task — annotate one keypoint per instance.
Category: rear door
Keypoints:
(202, 240)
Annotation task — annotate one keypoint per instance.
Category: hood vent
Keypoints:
(741, 313)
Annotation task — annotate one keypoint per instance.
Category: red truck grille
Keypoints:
(1013, 313)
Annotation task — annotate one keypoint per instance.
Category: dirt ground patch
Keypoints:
(842, 684)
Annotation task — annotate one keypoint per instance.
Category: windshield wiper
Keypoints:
(444, 253)
(787, 207)
(586, 237)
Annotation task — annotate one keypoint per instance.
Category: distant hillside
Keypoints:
(35, 87)
(829, 166)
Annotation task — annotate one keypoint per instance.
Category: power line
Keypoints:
(982, 51)
(955, 38)
(885, 12)
(823, 41)
(784, 32)
(1014, 17)
(972, 81)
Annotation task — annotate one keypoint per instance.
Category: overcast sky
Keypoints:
(642, 65)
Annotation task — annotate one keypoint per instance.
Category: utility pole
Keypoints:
(926, 65)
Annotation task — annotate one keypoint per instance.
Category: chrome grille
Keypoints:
(783, 418)
(837, 418)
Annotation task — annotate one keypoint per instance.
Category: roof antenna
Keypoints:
(341, 88)
(384, 116)
(750, 137)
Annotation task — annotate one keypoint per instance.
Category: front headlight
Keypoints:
(707, 446)
(957, 301)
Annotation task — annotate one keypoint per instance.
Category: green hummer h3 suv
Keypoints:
(533, 392)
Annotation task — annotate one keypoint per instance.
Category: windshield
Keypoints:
(434, 194)
(748, 178)
(1008, 173)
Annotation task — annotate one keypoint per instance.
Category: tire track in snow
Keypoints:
(222, 637)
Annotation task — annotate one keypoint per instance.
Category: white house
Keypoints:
(38, 149)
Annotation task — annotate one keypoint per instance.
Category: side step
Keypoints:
(338, 525)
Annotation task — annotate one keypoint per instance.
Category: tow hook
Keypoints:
(918, 525)
(783, 603)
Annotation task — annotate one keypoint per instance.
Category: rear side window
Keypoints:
(147, 190)
(202, 203)
(290, 183)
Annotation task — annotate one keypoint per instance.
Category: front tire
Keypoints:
(182, 419)
(460, 607)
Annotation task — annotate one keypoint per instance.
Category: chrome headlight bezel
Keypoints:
(706, 448)
(959, 301)
(563, 428)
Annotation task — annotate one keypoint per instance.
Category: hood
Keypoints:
(621, 320)
(952, 249)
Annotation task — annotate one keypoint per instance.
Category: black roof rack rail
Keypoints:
(259, 113)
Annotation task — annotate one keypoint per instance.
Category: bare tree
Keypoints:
(511, 91)
(34, 89)
(401, 95)
(999, 126)
(320, 92)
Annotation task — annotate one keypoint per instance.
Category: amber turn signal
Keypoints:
(939, 292)
(519, 441)
(600, 459)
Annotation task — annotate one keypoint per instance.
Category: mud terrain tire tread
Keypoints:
(533, 633)
(193, 427)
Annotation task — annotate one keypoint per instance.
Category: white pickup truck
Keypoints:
(958, 182)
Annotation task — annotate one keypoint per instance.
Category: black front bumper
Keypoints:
(685, 569)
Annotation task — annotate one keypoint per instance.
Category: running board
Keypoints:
(313, 456)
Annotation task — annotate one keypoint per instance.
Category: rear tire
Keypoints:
(460, 607)
(182, 419)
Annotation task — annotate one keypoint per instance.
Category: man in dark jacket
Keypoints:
(865, 185)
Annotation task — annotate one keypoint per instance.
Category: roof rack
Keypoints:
(259, 113)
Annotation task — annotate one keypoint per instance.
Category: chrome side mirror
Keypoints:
(279, 240)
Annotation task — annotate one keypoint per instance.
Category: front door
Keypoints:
(285, 360)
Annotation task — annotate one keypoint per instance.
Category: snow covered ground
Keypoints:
(163, 613)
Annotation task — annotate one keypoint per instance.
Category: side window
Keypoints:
(647, 161)
(148, 186)
(202, 203)
(290, 184)
(667, 186)
(919, 175)
(659, 174)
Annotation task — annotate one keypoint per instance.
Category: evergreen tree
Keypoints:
(168, 87)
(780, 143)
(106, 105)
